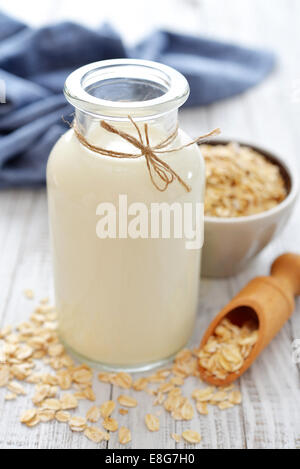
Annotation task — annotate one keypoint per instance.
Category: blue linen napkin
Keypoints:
(34, 64)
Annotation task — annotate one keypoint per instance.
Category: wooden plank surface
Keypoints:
(269, 115)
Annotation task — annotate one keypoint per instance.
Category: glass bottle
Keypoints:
(126, 301)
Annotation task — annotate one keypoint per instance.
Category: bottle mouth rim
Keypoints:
(173, 85)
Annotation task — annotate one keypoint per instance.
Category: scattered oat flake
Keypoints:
(51, 404)
(184, 355)
(93, 414)
(187, 411)
(10, 396)
(235, 397)
(77, 421)
(203, 395)
(79, 395)
(62, 416)
(64, 381)
(68, 402)
(127, 401)
(124, 435)
(110, 424)
(83, 376)
(228, 388)
(56, 350)
(42, 391)
(202, 408)
(177, 381)
(16, 388)
(107, 408)
(5, 331)
(219, 396)
(94, 434)
(166, 387)
(225, 405)
(123, 380)
(105, 377)
(176, 437)
(13, 339)
(44, 301)
(24, 352)
(140, 384)
(89, 394)
(191, 436)
(173, 401)
(152, 422)
(159, 399)
(28, 415)
(29, 293)
(46, 415)
(77, 424)
(123, 411)
(33, 422)
(4, 375)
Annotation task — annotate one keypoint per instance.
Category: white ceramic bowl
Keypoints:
(231, 243)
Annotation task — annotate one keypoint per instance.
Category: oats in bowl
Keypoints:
(240, 181)
(251, 193)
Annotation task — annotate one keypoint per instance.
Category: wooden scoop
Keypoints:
(269, 301)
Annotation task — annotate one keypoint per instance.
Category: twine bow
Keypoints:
(154, 164)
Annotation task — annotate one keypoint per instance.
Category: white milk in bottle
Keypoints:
(126, 294)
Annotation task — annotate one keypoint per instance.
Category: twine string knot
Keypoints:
(155, 165)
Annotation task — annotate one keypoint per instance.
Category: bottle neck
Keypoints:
(166, 123)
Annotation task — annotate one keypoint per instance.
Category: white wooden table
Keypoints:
(269, 416)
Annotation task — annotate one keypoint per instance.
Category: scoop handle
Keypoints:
(286, 269)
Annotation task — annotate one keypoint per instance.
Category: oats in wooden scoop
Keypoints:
(225, 352)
